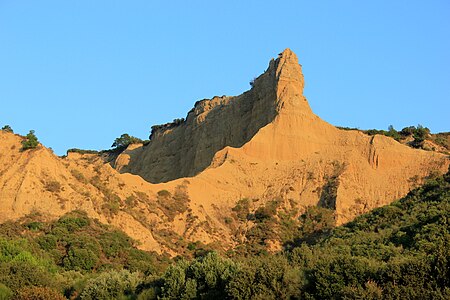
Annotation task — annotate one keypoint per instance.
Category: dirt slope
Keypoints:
(263, 145)
(296, 155)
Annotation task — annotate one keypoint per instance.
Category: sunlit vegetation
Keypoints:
(399, 251)
(82, 151)
(69, 257)
(414, 136)
(30, 141)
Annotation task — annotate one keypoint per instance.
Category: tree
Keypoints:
(124, 140)
(7, 128)
(420, 134)
(30, 142)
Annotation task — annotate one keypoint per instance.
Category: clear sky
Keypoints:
(81, 73)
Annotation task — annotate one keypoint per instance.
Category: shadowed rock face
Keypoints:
(185, 149)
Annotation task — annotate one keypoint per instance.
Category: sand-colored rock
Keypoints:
(264, 144)
(288, 145)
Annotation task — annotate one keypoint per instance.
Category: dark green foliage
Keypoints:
(30, 142)
(80, 259)
(82, 151)
(122, 142)
(7, 128)
(62, 255)
(19, 273)
(203, 278)
(112, 285)
(270, 277)
(399, 251)
(34, 226)
(73, 221)
(442, 139)
(315, 223)
(419, 134)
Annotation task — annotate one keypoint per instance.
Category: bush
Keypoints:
(7, 128)
(79, 176)
(18, 274)
(82, 151)
(122, 142)
(112, 285)
(164, 193)
(242, 209)
(79, 259)
(74, 221)
(30, 142)
(5, 292)
(53, 186)
(38, 293)
(203, 278)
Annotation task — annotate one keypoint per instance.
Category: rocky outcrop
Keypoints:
(269, 137)
(185, 148)
(263, 145)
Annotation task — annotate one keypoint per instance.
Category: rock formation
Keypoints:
(263, 145)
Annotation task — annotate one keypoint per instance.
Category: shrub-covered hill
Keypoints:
(63, 257)
(399, 251)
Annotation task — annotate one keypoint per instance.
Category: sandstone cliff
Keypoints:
(263, 145)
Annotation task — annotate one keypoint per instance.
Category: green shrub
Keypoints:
(34, 226)
(203, 278)
(112, 285)
(38, 293)
(18, 274)
(82, 151)
(80, 259)
(74, 221)
(7, 128)
(114, 242)
(5, 292)
(122, 142)
(30, 142)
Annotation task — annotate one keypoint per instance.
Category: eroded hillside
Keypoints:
(214, 177)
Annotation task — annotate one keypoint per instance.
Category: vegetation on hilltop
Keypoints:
(30, 141)
(122, 142)
(7, 128)
(413, 136)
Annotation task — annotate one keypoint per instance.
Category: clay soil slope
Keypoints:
(263, 145)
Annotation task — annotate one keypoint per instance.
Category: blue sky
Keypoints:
(81, 73)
